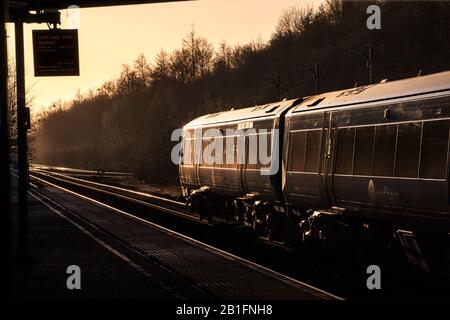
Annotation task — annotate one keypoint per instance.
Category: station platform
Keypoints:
(109, 270)
(121, 257)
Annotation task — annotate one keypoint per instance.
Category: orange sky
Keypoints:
(112, 36)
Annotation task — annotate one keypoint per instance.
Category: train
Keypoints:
(365, 165)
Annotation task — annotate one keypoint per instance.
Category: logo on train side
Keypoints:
(371, 191)
(383, 193)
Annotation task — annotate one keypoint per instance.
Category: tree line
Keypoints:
(126, 123)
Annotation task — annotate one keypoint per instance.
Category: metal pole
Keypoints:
(316, 76)
(277, 84)
(5, 211)
(23, 256)
(370, 65)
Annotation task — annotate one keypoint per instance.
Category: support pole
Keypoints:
(5, 205)
(316, 76)
(277, 84)
(23, 256)
(370, 65)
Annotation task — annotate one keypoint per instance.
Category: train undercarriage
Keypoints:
(331, 232)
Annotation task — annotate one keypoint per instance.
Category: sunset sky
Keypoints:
(112, 36)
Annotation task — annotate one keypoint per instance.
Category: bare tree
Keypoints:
(222, 59)
(143, 71)
(180, 65)
(12, 99)
(200, 53)
(161, 69)
(294, 21)
(12, 103)
(108, 89)
(112, 126)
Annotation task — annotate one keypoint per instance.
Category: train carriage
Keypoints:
(370, 162)
(232, 133)
(380, 150)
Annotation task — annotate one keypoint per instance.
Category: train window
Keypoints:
(344, 161)
(408, 149)
(189, 134)
(363, 151)
(219, 154)
(312, 151)
(264, 153)
(259, 156)
(188, 147)
(252, 151)
(297, 151)
(188, 151)
(229, 152)
(434, 149)
(207, 152)
(240, 150)
(383, 161)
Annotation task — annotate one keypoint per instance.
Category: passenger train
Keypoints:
(367, 164)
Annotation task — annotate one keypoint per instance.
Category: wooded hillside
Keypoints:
(126, 124)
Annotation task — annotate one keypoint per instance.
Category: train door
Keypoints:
(198, 149)
(242, 164)
(328, 156)
(448, 169)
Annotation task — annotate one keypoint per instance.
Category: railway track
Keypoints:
(344, 277)
(156, 202)
(168, 206)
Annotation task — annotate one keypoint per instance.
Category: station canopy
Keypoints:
(32, 5)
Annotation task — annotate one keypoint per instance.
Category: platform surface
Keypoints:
(125, 258)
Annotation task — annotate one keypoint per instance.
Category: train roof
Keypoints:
(383, 91)
(269, 110)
